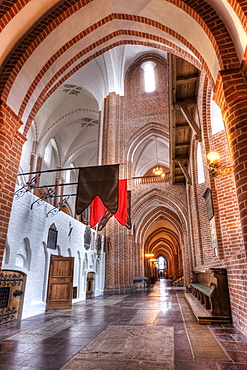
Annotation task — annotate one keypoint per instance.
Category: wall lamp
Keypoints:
(149, 255)
(214, 165)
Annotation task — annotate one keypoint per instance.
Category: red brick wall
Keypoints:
(226, 192)
(11, 147)
(125, 119)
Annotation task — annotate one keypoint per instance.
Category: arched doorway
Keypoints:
(163, 254)
(90, 285)
(162, 267)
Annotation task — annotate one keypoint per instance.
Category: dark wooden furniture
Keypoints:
(141, 279)
(12, 288)
(209, 297)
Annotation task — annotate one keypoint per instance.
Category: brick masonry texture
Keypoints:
(125, 118)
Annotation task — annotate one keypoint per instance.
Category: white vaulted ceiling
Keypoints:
(71, 113)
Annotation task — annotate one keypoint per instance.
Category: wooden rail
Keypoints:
(150, 180)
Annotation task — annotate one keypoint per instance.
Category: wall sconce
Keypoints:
(149, 255)
(214, 165)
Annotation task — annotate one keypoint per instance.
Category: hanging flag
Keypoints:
(103, 221)
(128, 221)
(107, 215)
(101, 181)
(121, 214)
(98, 211)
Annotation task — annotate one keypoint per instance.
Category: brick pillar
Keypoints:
(10, 153)
(231, 96)
(111, 123)
(118, 273)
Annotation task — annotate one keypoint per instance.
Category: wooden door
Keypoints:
(90, 285)
(60, 284)
(12, 288)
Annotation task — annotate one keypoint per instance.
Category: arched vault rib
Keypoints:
(60, 77)
(60, 15)
(152, 217)
(158, 236)
(98, 24)
(157, 248)
(172, 207)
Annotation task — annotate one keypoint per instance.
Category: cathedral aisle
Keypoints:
(152, 329)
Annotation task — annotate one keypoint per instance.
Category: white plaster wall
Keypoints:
(27, 234)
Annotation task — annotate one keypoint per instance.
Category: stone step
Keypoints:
(202, 315)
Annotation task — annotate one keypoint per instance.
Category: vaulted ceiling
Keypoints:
(60, 59)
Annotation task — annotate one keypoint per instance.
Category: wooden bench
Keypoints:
(141, 279)
(208, 296)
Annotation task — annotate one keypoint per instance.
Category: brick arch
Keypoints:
(165, 247)
(140, 135)
(174, 244)
(13, 72)
(173, 235)
(9, 9)
(173, 202)
(38, 32)
(209, 17)
(182, 235)
(239, 6)
(166, 250)
(63, 11)
(172, 208)
(54, 83)
(153, 215)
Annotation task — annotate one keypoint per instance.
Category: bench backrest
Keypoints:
(204, 277)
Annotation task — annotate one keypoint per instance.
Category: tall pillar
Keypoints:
(111, 124)
(11, 142)
(118, 266)
(231, 96)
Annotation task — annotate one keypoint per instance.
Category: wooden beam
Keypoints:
(187, 79)
(185, 172)
(190, 119)
(181, 158)
(190, 102)
(182, 145)
(182, 126)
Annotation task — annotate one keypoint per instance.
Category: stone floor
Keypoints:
(152, 329)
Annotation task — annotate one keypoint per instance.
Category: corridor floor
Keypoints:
(152, 329)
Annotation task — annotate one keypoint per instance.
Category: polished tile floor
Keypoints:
(54, 339)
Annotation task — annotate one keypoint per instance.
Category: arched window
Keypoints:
(162, 262)
(217, 123)
(149, 76)
(200, 169)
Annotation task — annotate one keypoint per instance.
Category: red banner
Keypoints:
(97, 208)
